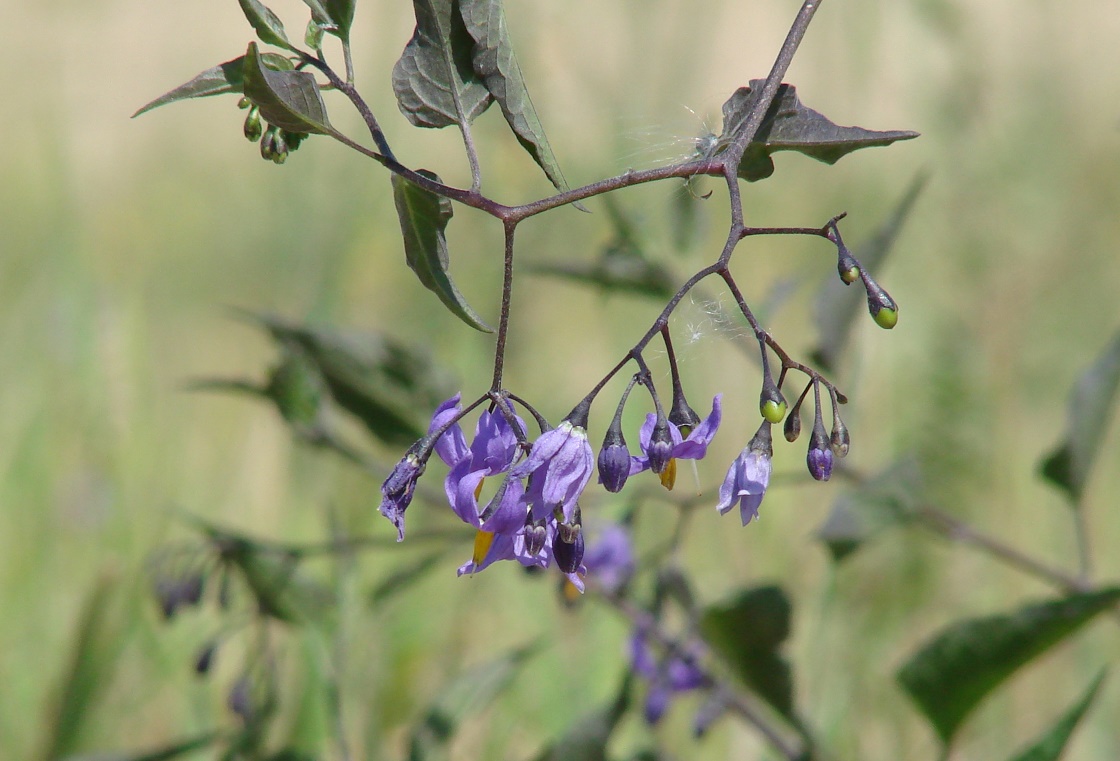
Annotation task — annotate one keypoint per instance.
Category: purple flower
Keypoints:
(819, 456)
(679, 448)
(610, 560)
(559, 466)
(396, 492)
(672, 674)
(492, 452)
(748, 477)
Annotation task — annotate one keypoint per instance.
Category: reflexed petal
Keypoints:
(696, 445)
(452, 445)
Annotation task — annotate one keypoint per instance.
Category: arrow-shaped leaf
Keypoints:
(791, 126)
(434, 80)
(424, 217)
(1068, 466)
(495, 62)
(951, 674)
(1050, 745)
(267, 24)
(228, 77)
(289, 100)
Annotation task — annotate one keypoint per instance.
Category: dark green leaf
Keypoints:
(495, 62)
(951, 674)
(174, 750)
(470, 693)
(289, 100)
(97, 644)
(297, 387)
(424, 217)
(267, 24)
(838, 305)
(1050, 745)
(1090, 403)
(586, 739)
(790, 126)
(434, 80)
(319, 13)
(390, 386)
(885, 500)
(224, 78)
(342, 14)
(747, 632)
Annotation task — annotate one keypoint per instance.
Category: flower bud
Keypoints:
(660, 446)
(792, 428)
(839, 441)
(244, 103)
(819, 457)
(253, 129)
(847, 266)
(535, 535)
(568, 554)
(614, 459)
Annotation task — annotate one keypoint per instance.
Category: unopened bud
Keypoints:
(839, 441)
(847, 266)
(614, 459)
(244, 103)
(660, 446)
(568, 553)
(792, 428)
(253, 128)
(535, 535)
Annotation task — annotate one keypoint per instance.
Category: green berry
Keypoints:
(773, 410)
(253, 129)
(886, 317)
(850, 275)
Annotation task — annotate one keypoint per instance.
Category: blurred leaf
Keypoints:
(837, 305)
(403, 578)
(1050, 745)
(952, 673)
(174, 750)
(424, 217)
(388, 385)
(470, 693)
(495, 62)
(289, 100)
(1090, 404)
(267, 24)
(297, 388)
(342, 14)
(586, 739)
(885, 500)
(98, 641)
(747, 632)
(319, 13)
(622, 266)
(790, 126)
(434, 80)
(309, 729)
(228, 77)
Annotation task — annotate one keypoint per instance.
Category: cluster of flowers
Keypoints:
(534, 515)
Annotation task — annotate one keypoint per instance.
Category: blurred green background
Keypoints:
(123, 242)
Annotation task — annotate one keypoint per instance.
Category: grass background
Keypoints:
(122, 242)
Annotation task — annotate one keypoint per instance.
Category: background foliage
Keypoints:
(124, 242)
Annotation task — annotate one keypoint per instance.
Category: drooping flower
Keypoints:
(748, 477)
(493, 451)
(694, 447)
(396, 492)
(610, 559)
(559, 466)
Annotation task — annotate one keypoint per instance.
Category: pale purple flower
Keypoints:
(748, 477)
(694, 447)
(396, 492)
(492, 452)
(559, 466)
(671, 674)
(610, 559)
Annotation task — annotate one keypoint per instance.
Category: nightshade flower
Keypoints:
(610, 559)
(672, 674)
(692, 448)
(492, 452)
(559, 466)
(748, 477)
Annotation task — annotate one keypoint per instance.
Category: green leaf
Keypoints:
(424, 217)
(1069, 465)
(98, 641)
(297, 387)
(586, 739)
(470, 693)
(838, 305)
(390, 386)
(267, 24)
(173, 750)
(342, 14)
(790, 126)
(495, 62)
(747, 632)
(289, 100)
(885, 500)
(951, 674)
(1050, 745)
(434, 80)
(228, 77)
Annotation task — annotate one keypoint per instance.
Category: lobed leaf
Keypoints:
(424, 217)
(949, 676)
(267, 24)
(228, 77)
(838, 305)
(289, 100)
(434, 80)
(470, 693)
(791, 126)
(494, 61)
(883, 501)
(1052, 743)
(1069, 465)
(747, 632)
